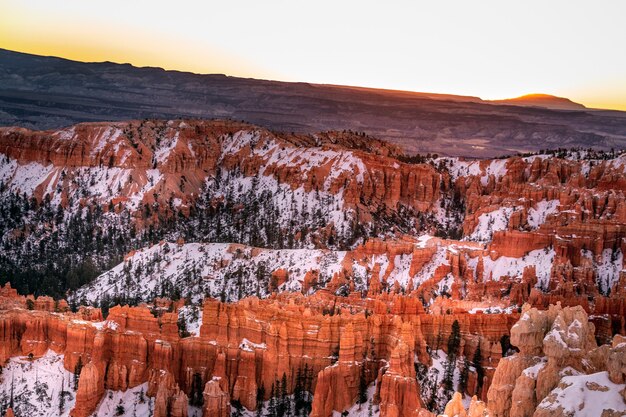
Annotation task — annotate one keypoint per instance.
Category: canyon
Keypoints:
(198, 267)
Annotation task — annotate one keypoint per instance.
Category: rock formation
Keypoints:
(553, 345)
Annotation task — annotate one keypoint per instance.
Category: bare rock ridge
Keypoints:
(46, 92)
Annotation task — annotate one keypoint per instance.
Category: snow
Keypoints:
(37, 386)
(151, 178)
(423, 241)
(458, 168)
(166, 146)
(433, 377)
(104, 325)
(428, 271)
(192, 315)
(497, 168)
(290, 203)
(554, 335)
(400, 272)
(493, 310)
(537, 215)
(585, 396)
(65, 134)
(250, 346)
(445, 285)
(340, 162)
(133, 401)
(533, 371)
(198, 270)
(609, 269)
(542, 259)
(491, 222)
(24, 178)
(106, 136)
(100, 183)
(362, 410)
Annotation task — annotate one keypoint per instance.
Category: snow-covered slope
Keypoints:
(585, 396)
(217, 270)
(38, 387)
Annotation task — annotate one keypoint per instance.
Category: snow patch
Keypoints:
(585, 396)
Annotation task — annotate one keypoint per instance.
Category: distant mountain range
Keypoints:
(46, 92)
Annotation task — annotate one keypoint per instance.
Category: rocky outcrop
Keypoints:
(455, 408)
(399, 391)
(216, 401)
(553, 344)
(90, 391)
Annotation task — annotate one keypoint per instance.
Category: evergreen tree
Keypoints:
(195, 398)
(62, 397)
(272, 409)
(260, 395)
(182, 327)
(480, 373)
(237, 408)
(362, 395)
(432, 400)
(77, 370)
(454, 343)
(298, 393)
(463, 377)
(285, 401)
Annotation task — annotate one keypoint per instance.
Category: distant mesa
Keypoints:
(542, 100)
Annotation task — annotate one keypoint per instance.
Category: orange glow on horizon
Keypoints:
(448, 47)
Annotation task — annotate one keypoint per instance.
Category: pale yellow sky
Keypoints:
(487, 48)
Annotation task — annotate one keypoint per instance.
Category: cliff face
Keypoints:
(143, 162)
(342, 342)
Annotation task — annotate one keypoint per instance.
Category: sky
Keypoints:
(490, 49)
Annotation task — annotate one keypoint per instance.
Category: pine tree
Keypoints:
(298, 393)
(182, 327)
(463, 377)
(237, 408)
(454, 342)
(272, 410)
(77, 370)
(285, 401)
(432, 400)
(477, 364)
(62, 397)
(308, 388)
(260, 394)
(362, 395)
(196, 399)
